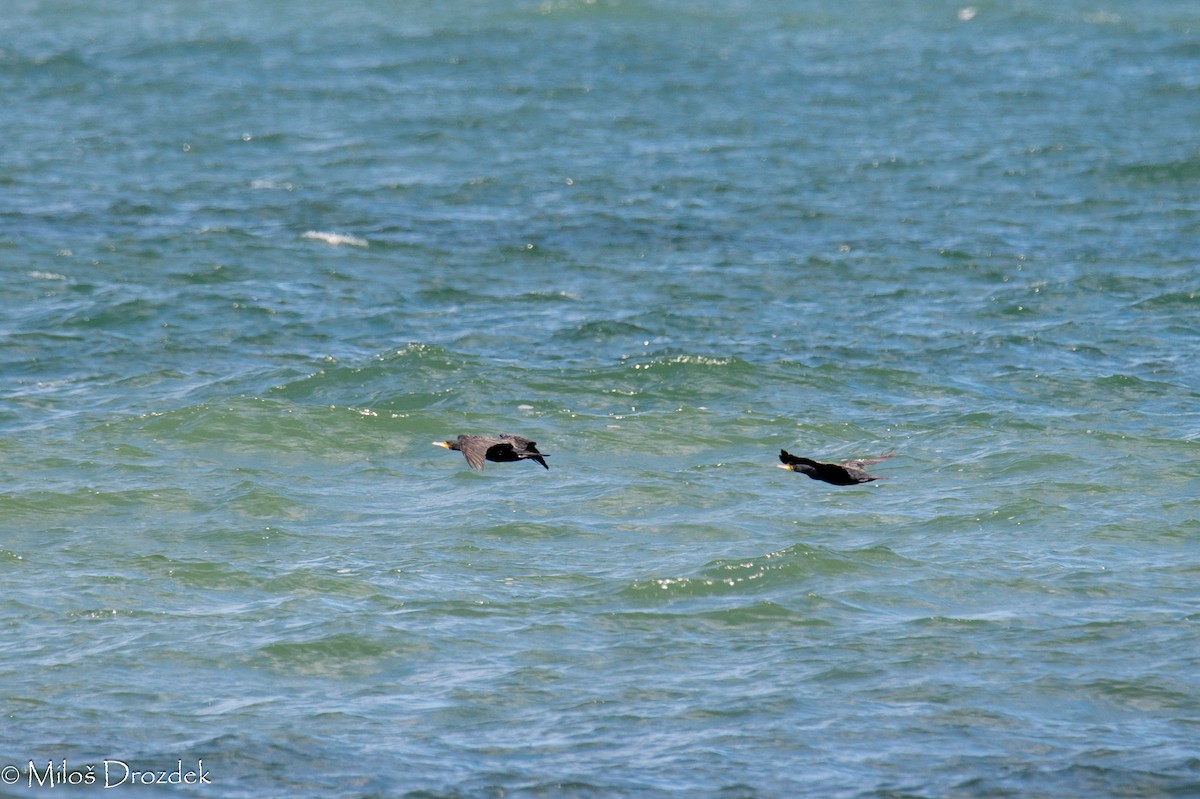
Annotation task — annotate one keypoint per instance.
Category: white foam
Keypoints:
(336, 239)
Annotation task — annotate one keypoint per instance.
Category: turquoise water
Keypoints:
(257, 256)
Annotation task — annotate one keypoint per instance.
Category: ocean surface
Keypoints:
(257, 256)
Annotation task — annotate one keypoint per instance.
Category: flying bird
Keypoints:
(839, 474)
(503, 448)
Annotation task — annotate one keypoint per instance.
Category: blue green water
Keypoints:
(257, 256)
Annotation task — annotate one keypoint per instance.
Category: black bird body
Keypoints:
(839, 474)
(503, 448)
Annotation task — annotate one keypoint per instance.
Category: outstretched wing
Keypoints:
(863, 462)
(474, 449)
(519, 443)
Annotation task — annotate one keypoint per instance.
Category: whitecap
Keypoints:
(336, 239)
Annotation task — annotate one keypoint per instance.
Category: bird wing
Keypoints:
(474, 449)
(519, 443)
(856, 472)
(862, 462)
(524, 448)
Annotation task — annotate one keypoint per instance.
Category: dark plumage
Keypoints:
(503, 448)
(839, 474)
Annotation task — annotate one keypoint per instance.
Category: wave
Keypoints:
(798, 568)
(336, 239)
(410, 377)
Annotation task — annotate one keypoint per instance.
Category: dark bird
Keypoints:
(500, 449)
(839, 474)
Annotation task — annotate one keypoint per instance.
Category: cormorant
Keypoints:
(839, 474)
(503, 448)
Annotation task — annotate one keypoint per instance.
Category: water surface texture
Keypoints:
(257, 256)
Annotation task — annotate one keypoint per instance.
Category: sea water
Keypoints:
(257, 256)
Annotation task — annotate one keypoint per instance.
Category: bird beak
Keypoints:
(441, 444)
(787, 466)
